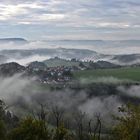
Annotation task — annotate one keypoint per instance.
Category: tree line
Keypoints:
(37, 126)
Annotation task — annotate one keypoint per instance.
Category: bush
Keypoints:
(30, 129)
(128, 127)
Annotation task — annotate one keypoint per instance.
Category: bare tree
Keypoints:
(79, 118)
(58, 115)
(90, 128)
(138, 133)
(43, 113)
(40, 113)
(97, 129)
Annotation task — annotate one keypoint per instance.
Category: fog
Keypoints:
(22, 95)
(106, 106)
(132, 91)
(107, 47)
(27, 60)
(101, 47)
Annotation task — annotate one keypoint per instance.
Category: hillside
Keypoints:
(53, 62)
(10, 69)
(68, 54)
(127, 59)
(80, 54)
(126, 74)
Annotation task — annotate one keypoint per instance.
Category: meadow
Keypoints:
(129, 73)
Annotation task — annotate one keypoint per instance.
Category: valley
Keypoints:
(74, 82)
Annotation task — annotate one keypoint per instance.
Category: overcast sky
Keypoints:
(70, 19)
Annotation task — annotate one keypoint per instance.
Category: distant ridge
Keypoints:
(14, 40)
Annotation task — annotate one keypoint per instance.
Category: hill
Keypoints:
(127, 59)
(10, 69)
(13, 40)
(68, 54)
(80, 54)
(53, 62)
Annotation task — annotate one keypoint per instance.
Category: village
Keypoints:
(49, 75)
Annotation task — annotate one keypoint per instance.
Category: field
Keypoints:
(132, 74)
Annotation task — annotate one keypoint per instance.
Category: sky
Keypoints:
(70, 19)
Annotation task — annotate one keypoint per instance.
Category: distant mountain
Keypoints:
(13, 40)
(67, 54)
(95, 43)
(80, 54)
(127, 59)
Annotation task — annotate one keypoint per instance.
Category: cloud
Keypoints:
(109, 15)
(28, 12)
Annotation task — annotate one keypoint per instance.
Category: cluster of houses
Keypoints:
(56, 75)
(49, 75)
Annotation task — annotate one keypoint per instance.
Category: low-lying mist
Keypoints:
(26, 61)
(19, 92)
(132, 91)
(108, 48)
(23, 96)
(104, 47)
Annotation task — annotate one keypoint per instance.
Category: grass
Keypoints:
(132, 74)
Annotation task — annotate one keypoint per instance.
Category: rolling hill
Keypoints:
(13, 40)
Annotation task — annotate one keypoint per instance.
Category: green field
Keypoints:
(132, 74)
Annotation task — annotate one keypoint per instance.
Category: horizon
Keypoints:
(2, 38)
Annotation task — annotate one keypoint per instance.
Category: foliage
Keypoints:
(2, 130)
(61, 133)
(30, 129)
(128, 127)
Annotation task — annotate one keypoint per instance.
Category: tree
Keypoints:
(98, 128)
(128, 127)
(58, 115)
(42, 113)
(2, 117)
(30, 129)
(79, 119)
(3, 107)
(82, 65)
(61, 133)
(2, 130)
